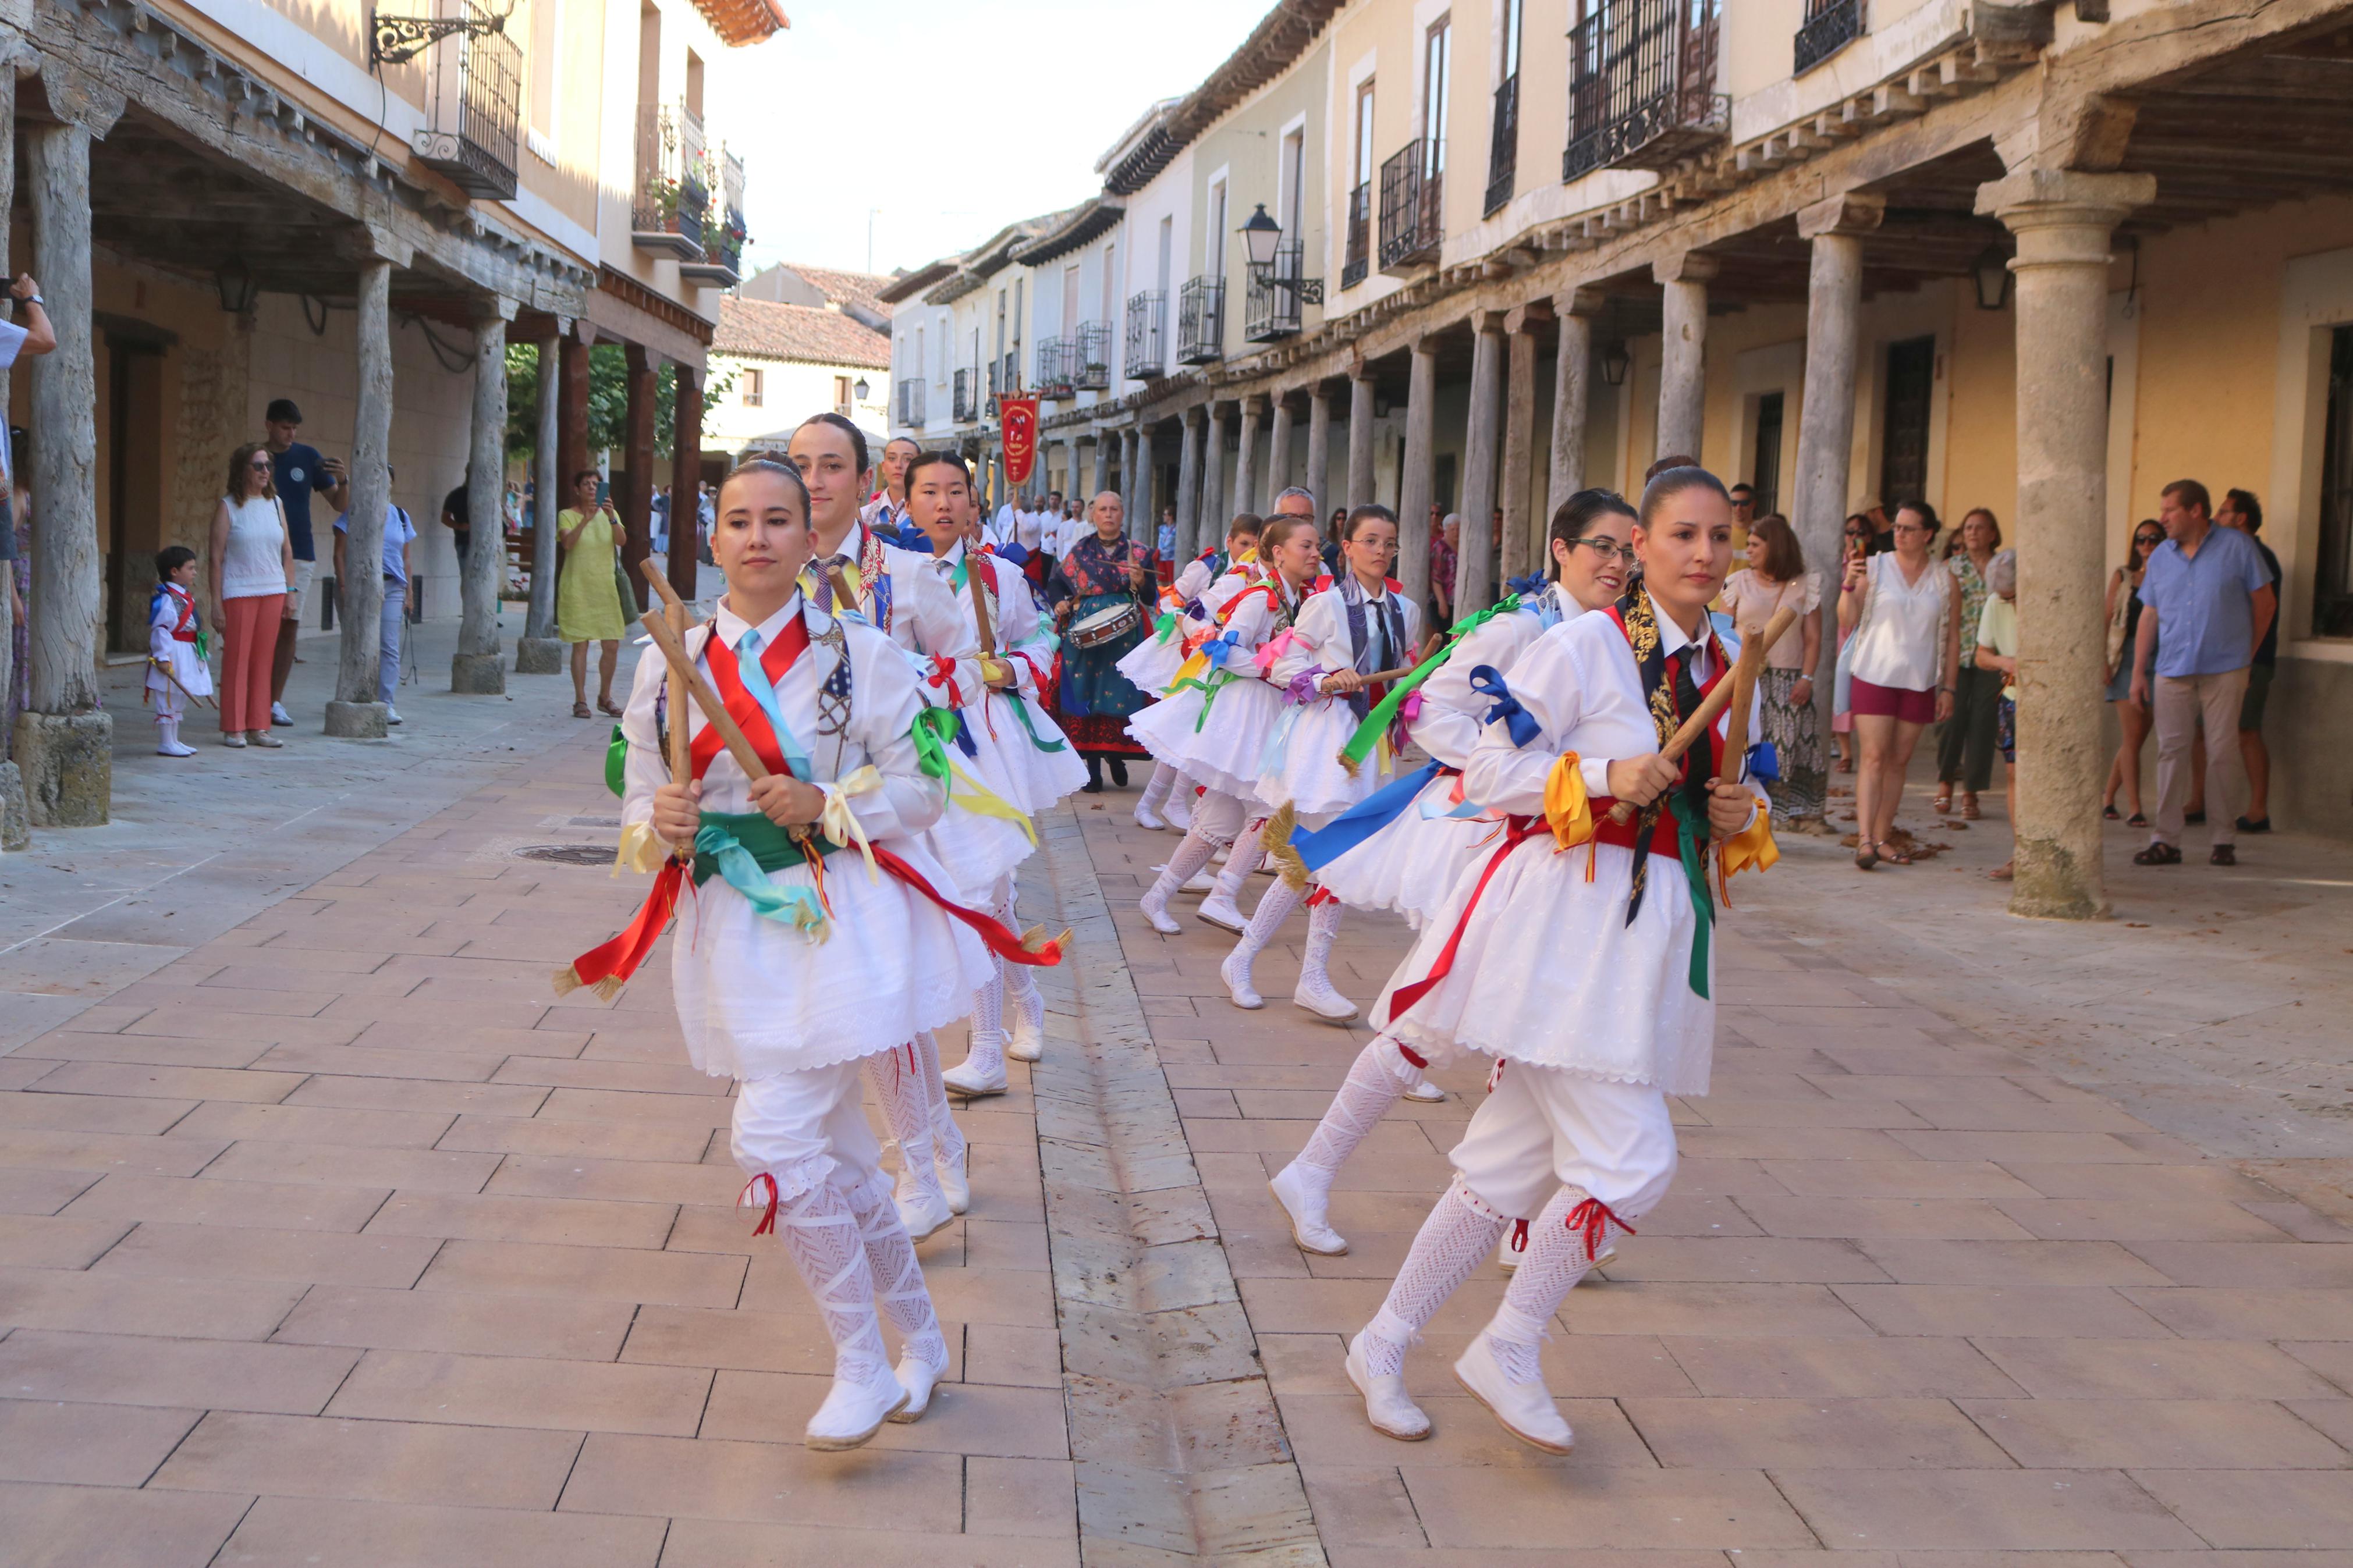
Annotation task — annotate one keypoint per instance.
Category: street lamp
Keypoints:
(1990, 272)
(1615, 362)
(1261, 239)
(861, 389)
(238, 289)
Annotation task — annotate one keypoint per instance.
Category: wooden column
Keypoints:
(14, 827)
(1682, 375)
(1414, 484)
(685, 479)
(356, 713)
(1475, 582)
(1189, 487)
(1319, 449)
(1215, 518)
(1359, 491)
(476, 667)
(537, 651)
(1103, 439)
(1277, 451)
(1572, 396)
(1245, 457)
(571, 416)
(1520, 549)
(64, 740)
(636, 501)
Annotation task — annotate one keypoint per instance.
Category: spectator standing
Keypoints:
(2242, 511)
(2210, 592)
(1996, 642)
(1858, 535)
(1743, 520)
(399, 561)
(1776, 578)
(1965, 742)
(1901, 607)
(1166, 541)
(2132, 713)
(660, 524)
(251, 575)
(1335, 534)
(34, 336)
(1445, 538)
(453, 518)
(588, 593)
(298, 470)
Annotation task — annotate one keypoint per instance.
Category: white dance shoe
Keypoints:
(1308, 1207)
(1235, 972)
(1026, 1041)
(1149, 820)
(1425, 1091)
(1198, 883)
(1525, 1409)
(1154, 905)
(1386, 1405)
(956, 1175)
(924, 1211)
(918, 1378)
(854, 1410)
(970, 1081)
(1317, 996)
(1221, 912)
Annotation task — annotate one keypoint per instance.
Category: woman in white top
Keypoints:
(250, 570)
(1777, 579)
(1901, 607)
(1353, 629)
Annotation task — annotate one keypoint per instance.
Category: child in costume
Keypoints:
(1188, 610)
(176, 672)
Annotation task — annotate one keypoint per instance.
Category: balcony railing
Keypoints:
(912, 402)
(1053, 367)
(1413, 188)
(723, 235)
(673, 190)
(1008, 374)
(1148, 336)
(1503, 149)
(966, 406)
(475, 85)
(1359, 257)
(1641, 90)
(1830, 27)
(1273, 310)
(1202, 321)
(1093, 371)
(996, 385)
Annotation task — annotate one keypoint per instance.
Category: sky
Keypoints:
(946, 120)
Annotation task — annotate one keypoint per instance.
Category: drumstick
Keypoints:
(1712, 706)
(1756, 645)
(714, 712)
(682, 747)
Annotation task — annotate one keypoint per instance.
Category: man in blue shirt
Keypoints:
(2242, 511)
(399, 554)
(2211, 590)
(298, 470)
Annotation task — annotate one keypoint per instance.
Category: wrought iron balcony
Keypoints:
(1093, 371)
(1359, 257)
(1053, 367)
(721, 264)
(1275, 292)
(1147, 336)
(1009, 374)
(1503, 148)
(1641, 90)
(966, 406)
(1830, 27)
(1202, 321)
(1412, 192)
(911, 400)
(673, 191)
(474, 88)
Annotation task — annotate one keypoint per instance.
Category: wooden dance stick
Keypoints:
(195, 701)
(1755, 645)
(714, 712)
(1712, 706)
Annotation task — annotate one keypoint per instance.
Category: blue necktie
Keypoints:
(755, 681)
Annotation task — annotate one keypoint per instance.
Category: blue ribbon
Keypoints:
(1362, 820)
(755, 677)
(1219, 649)
(794, 907)
(1488, 681)
(964, 740)
(1764, 762)
(1526, 588)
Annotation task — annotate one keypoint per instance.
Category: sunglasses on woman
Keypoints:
(2148, 540)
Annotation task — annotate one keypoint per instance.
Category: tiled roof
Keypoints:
(760, 330)
(848, 287)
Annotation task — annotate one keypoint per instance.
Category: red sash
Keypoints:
(744, 708)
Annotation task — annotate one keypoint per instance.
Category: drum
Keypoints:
(1105, 625)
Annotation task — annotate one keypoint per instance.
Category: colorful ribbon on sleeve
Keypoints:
(1488, 682)
(1377, 721)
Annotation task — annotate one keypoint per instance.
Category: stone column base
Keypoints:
(478, 674)
(67, 763)
(540, 655)
(16, 827)
(357, 720)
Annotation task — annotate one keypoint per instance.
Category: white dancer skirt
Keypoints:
(1222, 752)
(1152, 664)
(1411, 867)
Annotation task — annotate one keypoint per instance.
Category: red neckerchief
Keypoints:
(742, 706)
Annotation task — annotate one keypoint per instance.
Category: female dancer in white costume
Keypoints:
(1580, 955)
(1188, 610)
(1214, 725)
(1346, 631)
(1413, 864)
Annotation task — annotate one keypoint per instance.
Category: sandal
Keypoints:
(1969, 808)
(580, 709)
(2158, 855)
(1892, 855)
(1866, 858)
(1944, 798)
(606, 706)
(2137, 820)
(2108, 813)
(2000, 873)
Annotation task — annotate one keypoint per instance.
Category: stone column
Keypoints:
(2063, 221)
(356, 713)
(1214, 515)
(1189, 488)
(1127, 487)
(538, 651)
(1277, 451)
(1520, 437)
(1245, 456)
(64, 739)
(1835, 229)
(1360, 437)
(1319, 448)
(476, 667)
(1572, 402)
(1414, 484)
(685, 479)
(1102, 471)
(1143, 520)
(634, 498)
(1682, 375)
(1474, 579)
(15, 827)
(1073, 479)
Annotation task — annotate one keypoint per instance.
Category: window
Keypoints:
(1903, 449)
(2332, 588)
(841, 394)
(753, 390)
(922, 361)
(1290, 176)
(1363, 173)
(1503, 143)
(1765, 460)
(1437, 59)
(1071, 298)
(1167, 243)
(1213, 245)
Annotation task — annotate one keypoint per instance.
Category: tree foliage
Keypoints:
(608, 400)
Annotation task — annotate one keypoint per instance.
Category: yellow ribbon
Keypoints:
(1753, 846)
(840, 824)
(980, 802)
(641, 850)
(1567, 812)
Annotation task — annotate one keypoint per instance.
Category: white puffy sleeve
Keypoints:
(945, 637)
(1550, 682)
(1319, 640)
(1451, 713)
(886, 695)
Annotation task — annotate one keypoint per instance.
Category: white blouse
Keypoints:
(1900, 641)
(254, 565)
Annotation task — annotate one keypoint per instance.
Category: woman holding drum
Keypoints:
(1102, 590)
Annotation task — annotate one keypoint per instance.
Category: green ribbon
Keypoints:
(616, 762)
(1690, 844)
(1021, 711)
(741, 849)
(935, 731)
(1384, 713)
(1165, 627)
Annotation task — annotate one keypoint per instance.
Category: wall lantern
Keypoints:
(238, 289)
(861, 389)
(1259, 236)
(1990, 272)
(1615, 362)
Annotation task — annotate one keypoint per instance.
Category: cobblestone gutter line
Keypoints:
(1180, 1454)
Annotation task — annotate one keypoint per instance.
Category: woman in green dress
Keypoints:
(587, 593)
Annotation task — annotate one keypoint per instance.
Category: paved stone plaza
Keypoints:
(328, 1236)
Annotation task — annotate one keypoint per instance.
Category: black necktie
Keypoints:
(1699, 762)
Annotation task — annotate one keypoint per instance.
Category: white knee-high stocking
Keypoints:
(1563, 1241)
(1190, 856)
(895, 1080)
(1379, 1075)
(1454, 1241)
(1274, 907)
(1241, 862)
(898, 1280)
(821, 1236)
(1027, 1040)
